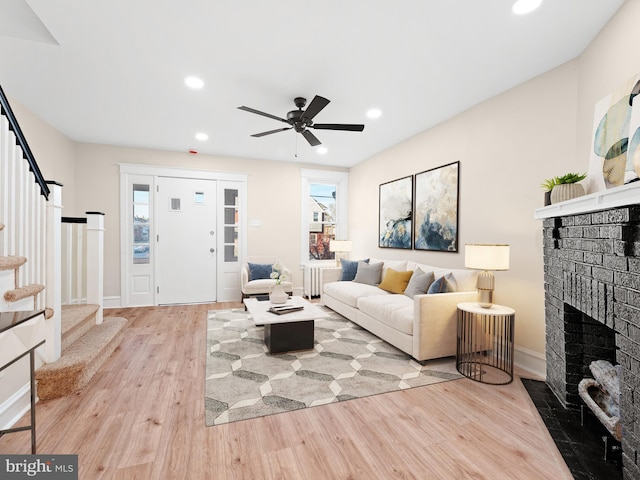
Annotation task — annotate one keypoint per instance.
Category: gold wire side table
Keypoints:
(485, 343)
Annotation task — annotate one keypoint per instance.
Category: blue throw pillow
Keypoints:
(349, 269)
(444, 284)
(259, 271)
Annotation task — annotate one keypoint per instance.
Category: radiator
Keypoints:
(311, 281)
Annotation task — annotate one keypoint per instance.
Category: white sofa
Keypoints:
(424, 326)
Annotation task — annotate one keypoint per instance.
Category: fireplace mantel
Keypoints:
(615, 197)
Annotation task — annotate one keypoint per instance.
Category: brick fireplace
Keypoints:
(592, 303)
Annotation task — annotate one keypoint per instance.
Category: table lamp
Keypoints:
(486, 257)
(339, 247)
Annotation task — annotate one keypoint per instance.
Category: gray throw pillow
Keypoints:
(444, 284)
(419, 283)
(369, 273)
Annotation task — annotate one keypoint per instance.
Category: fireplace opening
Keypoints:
(587, 437)
(586, 341)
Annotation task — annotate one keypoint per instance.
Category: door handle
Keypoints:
(212, 250)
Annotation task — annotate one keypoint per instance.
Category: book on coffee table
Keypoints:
(282, 309)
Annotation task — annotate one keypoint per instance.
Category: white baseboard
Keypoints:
(533, 362)
(14, 407)
(111, 302)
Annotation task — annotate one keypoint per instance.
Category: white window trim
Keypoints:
(341, 180)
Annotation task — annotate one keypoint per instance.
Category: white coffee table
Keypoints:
(287, 332)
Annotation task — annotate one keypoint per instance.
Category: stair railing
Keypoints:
(22, 211)
(82, 260)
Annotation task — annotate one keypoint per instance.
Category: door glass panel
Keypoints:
(230, 197)
(141, 194)
(229, 216)
(230, 225)
(141, 224)
(140, 213)
(141, 233)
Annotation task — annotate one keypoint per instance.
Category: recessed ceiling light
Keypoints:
(525, 6)
(194, 82)
(374, 113)
(322, 150)
(202, 136)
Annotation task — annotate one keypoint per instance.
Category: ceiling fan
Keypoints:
(301, 120)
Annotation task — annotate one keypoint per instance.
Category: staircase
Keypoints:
(85, 347)
(78, 340)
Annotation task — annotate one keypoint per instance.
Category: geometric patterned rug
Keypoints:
(243, 380)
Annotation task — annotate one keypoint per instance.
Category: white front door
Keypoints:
(186, 241)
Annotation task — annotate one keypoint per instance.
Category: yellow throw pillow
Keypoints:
(395, 282)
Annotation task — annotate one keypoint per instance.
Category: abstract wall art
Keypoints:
(436, 209)
(615, 152)
(396, 202)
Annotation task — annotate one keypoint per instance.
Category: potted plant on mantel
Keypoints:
(566, 187)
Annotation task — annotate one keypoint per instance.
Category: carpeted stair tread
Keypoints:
(11, 262)
(81, 360)
(76, 321)
(23, 292)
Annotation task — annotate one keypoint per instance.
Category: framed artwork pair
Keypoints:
(421, 211)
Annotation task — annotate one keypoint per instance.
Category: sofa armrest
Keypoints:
(435, 323)
(330, 274)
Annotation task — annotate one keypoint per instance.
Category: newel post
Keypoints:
(53, 277)
(95, 261)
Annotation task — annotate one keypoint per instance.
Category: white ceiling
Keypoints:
(113, 71)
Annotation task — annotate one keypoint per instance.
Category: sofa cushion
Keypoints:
(349, 292)
(393, 310)
(368, 273)
(465, 279)
(419, 283)
(263, 286)
(397, 265)
(394, 281)
(444, 284)
(260, 271)
(349, 269)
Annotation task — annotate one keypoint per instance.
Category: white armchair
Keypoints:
(261, 267)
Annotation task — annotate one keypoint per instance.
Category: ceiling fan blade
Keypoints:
(258, 112)
(315, 107)
(311, 138)
(271, 131)
(338, 126)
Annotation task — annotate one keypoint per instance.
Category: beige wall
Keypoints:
(53, 152)
(273, 197)
(607, 64)
(506, 147)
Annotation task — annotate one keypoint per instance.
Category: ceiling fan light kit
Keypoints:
(300, 120)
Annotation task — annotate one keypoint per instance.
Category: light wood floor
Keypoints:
(142, 417)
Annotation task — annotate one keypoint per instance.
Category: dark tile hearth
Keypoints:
(581, 447)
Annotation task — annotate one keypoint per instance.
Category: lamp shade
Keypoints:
(340, 246)
(486, 256)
